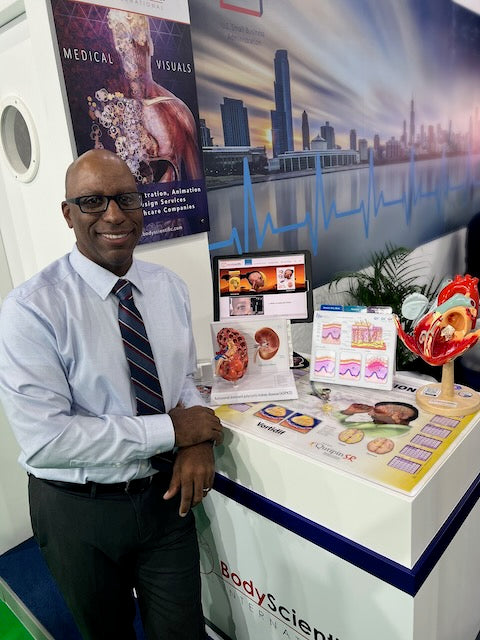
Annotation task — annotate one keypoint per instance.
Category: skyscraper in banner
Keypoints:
(205, 135)
(353, 139)
(328, 132)
(305, 132)
(282, 124)
(235, 123)
(412, 123)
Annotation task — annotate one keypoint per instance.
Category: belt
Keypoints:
(163, 462)
(94, 488)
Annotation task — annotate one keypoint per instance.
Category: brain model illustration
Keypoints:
(232, 358)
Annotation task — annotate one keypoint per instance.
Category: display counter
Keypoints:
(323, 525)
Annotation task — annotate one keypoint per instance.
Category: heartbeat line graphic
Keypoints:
(323, 213)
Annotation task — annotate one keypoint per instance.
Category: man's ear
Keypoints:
(66, 214)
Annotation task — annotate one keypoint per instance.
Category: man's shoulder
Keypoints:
(154, 272)
(48, 279)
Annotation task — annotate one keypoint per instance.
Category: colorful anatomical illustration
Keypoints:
(264, 349)
(350, 366)
(380, 420)
(154, 131)
(376, 367)
(231, 361)
(445, 331)
(331, 332)
(301, 422)
(325, 364)
(366, 335)
(273, 413)
(267, 342)
(234, 281)
(351, 436)
(380, 445)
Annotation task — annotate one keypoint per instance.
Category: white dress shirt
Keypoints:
(64, 378)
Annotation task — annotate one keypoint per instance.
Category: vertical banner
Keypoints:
(130, 85)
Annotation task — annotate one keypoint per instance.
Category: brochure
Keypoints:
(353, 348)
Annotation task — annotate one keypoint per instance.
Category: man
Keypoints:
(105, 520)
(240, 307)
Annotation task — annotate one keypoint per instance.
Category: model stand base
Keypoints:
(446, 398)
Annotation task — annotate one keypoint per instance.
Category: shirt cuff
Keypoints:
(160, 435)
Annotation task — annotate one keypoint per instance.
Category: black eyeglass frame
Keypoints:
(79, 199)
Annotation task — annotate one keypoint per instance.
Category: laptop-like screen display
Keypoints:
(270, 284)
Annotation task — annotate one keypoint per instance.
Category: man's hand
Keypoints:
(194, 425)
(193, 471)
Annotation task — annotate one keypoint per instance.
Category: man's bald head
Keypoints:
(89, 161)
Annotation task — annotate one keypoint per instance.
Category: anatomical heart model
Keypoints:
(252, 360)
(440, 334)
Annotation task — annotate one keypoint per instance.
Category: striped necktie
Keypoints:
(143, 371)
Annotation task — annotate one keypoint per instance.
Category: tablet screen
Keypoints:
(270, 284)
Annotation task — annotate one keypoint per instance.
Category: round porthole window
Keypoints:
(18, 139)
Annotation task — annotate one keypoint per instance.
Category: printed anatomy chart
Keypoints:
(353, 348)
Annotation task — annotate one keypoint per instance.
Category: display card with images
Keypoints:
(252, 360)
(353, 348)
(377, 435)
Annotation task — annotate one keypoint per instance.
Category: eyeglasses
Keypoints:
(99, 204)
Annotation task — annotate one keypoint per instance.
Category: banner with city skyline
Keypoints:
(337, 126)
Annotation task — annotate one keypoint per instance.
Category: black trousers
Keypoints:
(100, 548)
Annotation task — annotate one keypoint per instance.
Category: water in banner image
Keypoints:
(358, 210)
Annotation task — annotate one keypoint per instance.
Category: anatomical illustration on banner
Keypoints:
(130, 84)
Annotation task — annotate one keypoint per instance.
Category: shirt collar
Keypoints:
(99, 279)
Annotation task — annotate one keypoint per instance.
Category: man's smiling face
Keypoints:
(107, 238)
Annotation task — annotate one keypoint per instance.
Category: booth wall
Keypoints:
(14, 521)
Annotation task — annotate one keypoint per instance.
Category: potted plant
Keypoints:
(392, 274)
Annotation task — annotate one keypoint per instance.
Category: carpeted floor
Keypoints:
(25, 572)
